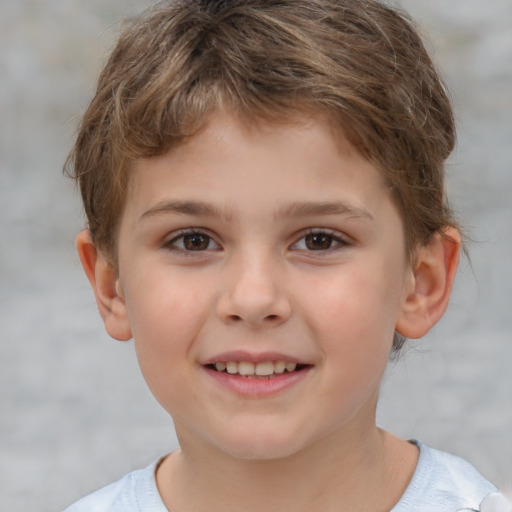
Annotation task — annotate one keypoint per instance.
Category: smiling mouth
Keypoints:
(264, 370)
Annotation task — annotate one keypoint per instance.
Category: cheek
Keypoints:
(165, 314)
(165, 323)
(355, 312)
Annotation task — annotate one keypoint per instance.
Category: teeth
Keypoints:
(246, 368)
(264, 368)
(290, 367)
(232, 367)
(279, 367)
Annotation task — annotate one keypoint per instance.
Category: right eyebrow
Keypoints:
(197, 208)
(302, 209)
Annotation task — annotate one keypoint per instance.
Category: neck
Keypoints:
(329, 475)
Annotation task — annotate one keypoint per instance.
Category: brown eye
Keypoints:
(196, 242)
(318, 241)
(321, 241)
(192, 242)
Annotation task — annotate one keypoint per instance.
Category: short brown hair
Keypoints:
(359, 61)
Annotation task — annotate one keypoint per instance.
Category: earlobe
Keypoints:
(431, 284)
(106, 287)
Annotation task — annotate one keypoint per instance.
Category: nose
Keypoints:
(253, 293)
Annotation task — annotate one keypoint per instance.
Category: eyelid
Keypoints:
(173, 237)
(340, 239)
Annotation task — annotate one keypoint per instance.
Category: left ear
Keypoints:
(431, 284)
(104, 282)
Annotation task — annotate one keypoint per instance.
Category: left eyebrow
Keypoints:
(197, 208)
(303, 209)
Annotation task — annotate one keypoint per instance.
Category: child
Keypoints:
(263, 183)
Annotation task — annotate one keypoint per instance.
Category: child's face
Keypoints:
(264, 244)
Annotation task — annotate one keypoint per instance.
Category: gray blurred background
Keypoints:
(74, 411)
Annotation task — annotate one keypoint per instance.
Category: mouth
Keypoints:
(262, 370)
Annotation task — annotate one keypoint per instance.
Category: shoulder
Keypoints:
(134, 492)
(444, 482)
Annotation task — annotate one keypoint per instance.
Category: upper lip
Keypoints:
(253, 357)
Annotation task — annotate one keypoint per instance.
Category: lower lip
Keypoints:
(258, 388)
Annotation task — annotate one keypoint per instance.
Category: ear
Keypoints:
(105, 285)
(430, 286)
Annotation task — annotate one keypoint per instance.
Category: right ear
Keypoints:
(105, 285)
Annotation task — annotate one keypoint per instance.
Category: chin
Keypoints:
(263, 453)
(261, 446)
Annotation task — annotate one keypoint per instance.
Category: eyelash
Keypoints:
(171, 244)
(332, 237)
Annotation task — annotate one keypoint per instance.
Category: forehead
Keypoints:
(251, 144)
(233, 166)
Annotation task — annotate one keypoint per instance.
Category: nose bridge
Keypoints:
(253, 290)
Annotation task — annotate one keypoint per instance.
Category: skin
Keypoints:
(270, 269)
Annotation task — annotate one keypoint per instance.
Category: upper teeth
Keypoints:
(260, 369)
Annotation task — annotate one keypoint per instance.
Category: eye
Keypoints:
(320, 241)
(192, 241)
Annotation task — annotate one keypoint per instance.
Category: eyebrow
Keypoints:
(296, 209)
(197, 208)
(307, 208)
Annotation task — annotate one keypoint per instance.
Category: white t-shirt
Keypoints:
(441, 483)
